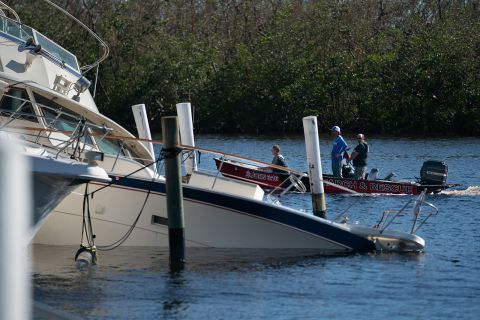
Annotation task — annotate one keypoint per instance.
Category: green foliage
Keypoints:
(260, 66)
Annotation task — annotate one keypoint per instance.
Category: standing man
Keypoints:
(359, 157)
(339, 147)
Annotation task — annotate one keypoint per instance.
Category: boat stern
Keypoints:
(390, 241)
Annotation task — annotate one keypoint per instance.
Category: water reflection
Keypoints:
(175, 303)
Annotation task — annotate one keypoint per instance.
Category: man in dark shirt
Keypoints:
(359, 157)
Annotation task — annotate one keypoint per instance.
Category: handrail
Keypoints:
(106, 49)
(211, 151)
(156, 141)
(4, 6)
(58, 111)
(385, 221)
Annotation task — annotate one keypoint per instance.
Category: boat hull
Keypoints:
(54, 180)
(49, 192)
(272, 180)
(212, 219)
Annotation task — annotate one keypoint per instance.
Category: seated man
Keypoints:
(277, 160)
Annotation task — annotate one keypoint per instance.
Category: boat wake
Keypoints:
(470, 191)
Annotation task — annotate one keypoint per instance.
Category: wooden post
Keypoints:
(176, 226)
(312, 144)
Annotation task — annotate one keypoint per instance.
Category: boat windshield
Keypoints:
(15, 29)
(56, 51)
(22, 32)
(65, 120)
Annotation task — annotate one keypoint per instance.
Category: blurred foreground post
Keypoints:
(15, 207)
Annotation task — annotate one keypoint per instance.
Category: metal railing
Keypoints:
(390, 216)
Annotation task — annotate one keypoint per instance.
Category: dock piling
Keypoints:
(176, 226)
(185, 120)
(312, 144)
(143, 129)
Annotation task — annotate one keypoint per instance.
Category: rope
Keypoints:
(87, 227)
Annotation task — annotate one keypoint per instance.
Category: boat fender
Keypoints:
(86, 256)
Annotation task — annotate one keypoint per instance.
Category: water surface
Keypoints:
(442, 283)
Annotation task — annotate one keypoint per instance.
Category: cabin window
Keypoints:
(56, 118)
(17, 103)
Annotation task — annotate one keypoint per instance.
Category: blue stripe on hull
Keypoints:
(261, 210)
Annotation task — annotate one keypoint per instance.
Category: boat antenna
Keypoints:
(3, 6)
(106, 49)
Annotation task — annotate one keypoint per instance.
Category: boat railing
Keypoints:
(51, 122)
(72, 141)
(389, 216)
(76, 132)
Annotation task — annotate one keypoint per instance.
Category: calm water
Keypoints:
(442, 283)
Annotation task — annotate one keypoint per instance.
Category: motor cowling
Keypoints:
(434, 172)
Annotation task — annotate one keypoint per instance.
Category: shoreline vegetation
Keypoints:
(373, 66)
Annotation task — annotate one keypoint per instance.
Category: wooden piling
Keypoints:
(176, 225)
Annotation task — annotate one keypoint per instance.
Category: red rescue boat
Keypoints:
(433, 179)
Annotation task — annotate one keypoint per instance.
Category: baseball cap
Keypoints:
(335, 128)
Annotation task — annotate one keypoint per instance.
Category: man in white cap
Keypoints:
(339, 147)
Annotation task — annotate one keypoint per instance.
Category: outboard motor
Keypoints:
(434, 172)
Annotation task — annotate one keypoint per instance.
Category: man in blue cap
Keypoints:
(339, 147)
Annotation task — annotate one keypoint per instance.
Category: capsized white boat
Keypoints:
(46, 100)
(52, 178)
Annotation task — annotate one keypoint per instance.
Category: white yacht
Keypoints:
(46, 100)
(52, 178)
